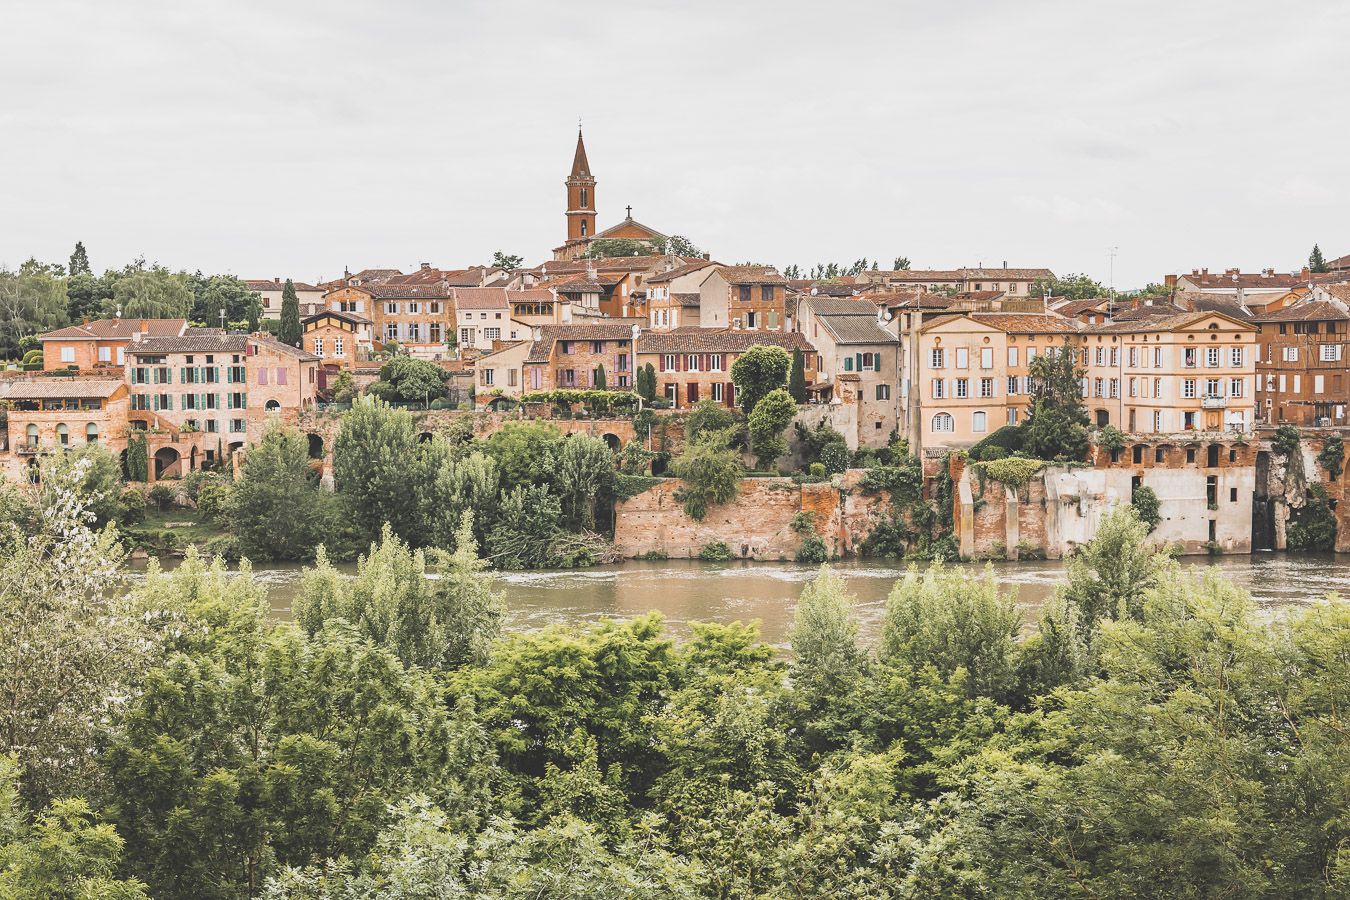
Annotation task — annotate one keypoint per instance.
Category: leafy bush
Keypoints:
(1332, 457)
(1014, 471)
(1314, 525)
(711, 472)
(818, 470)
(1147, 506)
(717, 551)
(1111, 438)
(1286, 441)
(813, 550)
(708, 416)
(771, 416)
(1009, 437)
(162, 495)
(835, 458)
(132, 504)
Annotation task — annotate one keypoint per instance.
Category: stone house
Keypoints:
(271, 291)
(44, 414)
(483, 316)
(750, 298)
(337, 339)
(694, 364)
(673, 296)
(569, 356)
(1010, 282)
(858, 362)
(1302, 367)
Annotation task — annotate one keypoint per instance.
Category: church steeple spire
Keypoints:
(580, 167)
(580, 195)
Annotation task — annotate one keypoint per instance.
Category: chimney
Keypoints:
(1170, 281)
(276, 280)
(1005, 264)
(1204, 271)
(1305, 273)
(426, 265)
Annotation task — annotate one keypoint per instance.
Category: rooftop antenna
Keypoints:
(1111, 289)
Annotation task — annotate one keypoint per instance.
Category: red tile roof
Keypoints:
(480, 298)
(751, 275)
(116, 329)
(1315, 310)
(709, 340)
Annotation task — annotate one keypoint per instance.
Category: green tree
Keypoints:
(508, 261)
(137, 464)
(442, 622)
(1111, 576)
(213, 294)
(414, 379)
(280, 750)
(372, 453)
(1056, 426)
(31, 302)
(526, 452)
(1147, 507)
(600, 377)
(708, 415)
(676, 245)
(711, 471)
(152, 293)
(583, 478)
(797, 378)
(277, 508)
(829, 668)
(768, 421)
(901, 264)
(288, 332)
(253, 312)
(646, 382)
(93, 473)
(525, 528)
(71, 645)
(1317, 263)
(611, 247)
(951, 620)
(79, 261)
(87, 294)
(62, 852)
(758, 371)
(1070, 287)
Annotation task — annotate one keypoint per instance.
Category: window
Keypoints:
(937, 358)
(414, 308)
(1157, 357)
(391, 332)
(691, 362)
(466, 337)
(415, 331)
(318, 346)
(584, 229)
(391, 309)
(668, 362)
(433, 333)
(492, 334)
(1012, 356)
(1133, 357)
(238, 425)
(1101, 356)
(750, 320)
(1188, 358)
(1012, 385)
(766, 293)
(1213, 387)
(718, 390)
(488, 376)
(986, 387)
(337, 346)
(1188, 388)
(986, 357)
(1212, 357)
(1157, 420)
(1291, 354)
(944, 422)
(1134, 387)
(105, 354)
(1157, 388)
(939, 389)
(1012, 416)
(745, 293)
(883, 392)
(67, 354)
(979, 421)
(962, 388)
(716, 360)
(1235, 357)
(1330, 352)
(262, 375)
(585, 197)
(962, 358)
(281, 376)
(91, 433)
(597, 346)
(1235, 387)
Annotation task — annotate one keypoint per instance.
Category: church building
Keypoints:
(581, 227)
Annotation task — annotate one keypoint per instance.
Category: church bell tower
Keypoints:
(580, 196)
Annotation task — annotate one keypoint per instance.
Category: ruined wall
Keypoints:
(756, 525)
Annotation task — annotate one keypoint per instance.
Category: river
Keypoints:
(687, 590)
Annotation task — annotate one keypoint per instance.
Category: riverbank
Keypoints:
(687, 591)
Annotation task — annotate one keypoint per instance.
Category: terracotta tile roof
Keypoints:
(530, 295)
(1228, 305)
(1156, 323)
(470, 277)
(1313, 310)
(1016, 323)
(263, 343)
(195, 340)
(400, 290)
(116, 329)
(1076, 307)
(480, 298)
(629, 223)
(369, 275)
(913, 298)
(854, 329)
(709, 340)
(1340, 262)
(648, 263)
(1147, 311)
(59, 388)
(678, 271)
(1338, 291)
(1247, 281)
(751, 275)
(688, 301)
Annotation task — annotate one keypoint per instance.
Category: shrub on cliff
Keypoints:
(758, 371)
(1147, 507)
(771, 417)
(711, 471)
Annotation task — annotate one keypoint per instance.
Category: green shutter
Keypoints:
(857, 357)
(848, 364)
(877, 357)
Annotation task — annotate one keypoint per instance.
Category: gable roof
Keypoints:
(838, 306)
(480, 298)
(750, 275)
(629, 223)
(1231, 280)
(1014, 323)
(689, 301)
(606, 330)
(116, 329)
(852, 329)
(1165, 323)
(354, 318)
(274, 284)
(678, 271)
(938, 275)
(1313, 310)
(710, 340)
(1077, 307)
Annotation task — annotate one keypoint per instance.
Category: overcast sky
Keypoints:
(294, 138)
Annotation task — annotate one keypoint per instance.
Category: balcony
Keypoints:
(27, 448)
(1214, 403)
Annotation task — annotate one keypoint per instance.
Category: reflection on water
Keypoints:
(689, 590)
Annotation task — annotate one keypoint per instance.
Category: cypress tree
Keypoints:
(289, 330)
(797, 378)
(79, 261)
(600, 377)
(1317, 263)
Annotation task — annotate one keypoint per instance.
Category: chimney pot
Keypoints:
(276, 280)
(1305, 273)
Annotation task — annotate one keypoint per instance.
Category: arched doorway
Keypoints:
(63, 434)
(32, 436)
(167, 463)
(192, 460)
(612, 441)
(272, 406)
(315, 446)
(91, 433)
